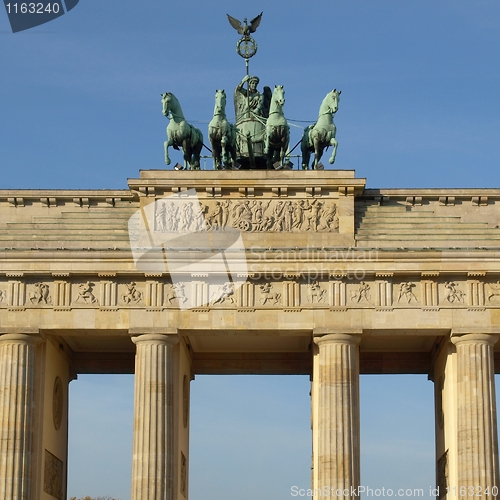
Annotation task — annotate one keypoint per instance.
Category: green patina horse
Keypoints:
(181, 134)
(319, 136)
(222, 134)
(277, 130)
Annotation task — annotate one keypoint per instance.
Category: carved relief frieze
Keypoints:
(39, 294)
(492, 292)
(53, 476)
(267, 215)
(85, 294)
(406, 294)
(442, 475)
(453, 294)
(57, 403)
(184, 482)
(360, 293)
(268, 296)
(316, 293)
(222, 294)
(170, 295)
(131, 295)
(293, 291)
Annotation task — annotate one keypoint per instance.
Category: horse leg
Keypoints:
(167, 144)
(306, 154)
(266, 140)
(334, 143)
(216, 152)
(224, 154)
(196, 152)
(231, 156)
(282, 154)
(186, 154)
(318, 153)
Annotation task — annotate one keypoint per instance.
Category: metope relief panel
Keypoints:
(452, 293)
(492, 293)
(3, 294)
(130, 294)
(314, 292)
(222, 294)
(39, 294)
(406, 293)
(84, 294)
(360, 294)
(268, 294)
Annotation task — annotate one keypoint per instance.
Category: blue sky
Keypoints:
(420, 107)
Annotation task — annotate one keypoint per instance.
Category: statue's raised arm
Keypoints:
(248, 102)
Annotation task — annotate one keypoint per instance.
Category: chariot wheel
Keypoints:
(244, 225)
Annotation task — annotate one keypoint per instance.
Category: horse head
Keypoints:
(333, 100)
(279, 95)
(166, 100)
(220, 102)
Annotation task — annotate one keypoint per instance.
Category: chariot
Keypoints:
(260, 137)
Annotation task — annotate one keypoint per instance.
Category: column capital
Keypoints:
(137, 330)
(156, 338)
(474, 338)
(20, 338)
(338, 338)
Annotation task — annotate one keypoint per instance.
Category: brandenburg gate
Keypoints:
(246, 272)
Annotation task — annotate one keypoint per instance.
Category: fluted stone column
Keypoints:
(476, 420)
(17, 415)
(152, 461)
(338, 459)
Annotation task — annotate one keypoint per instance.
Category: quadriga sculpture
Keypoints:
(181, 134)
(319, 136)
(277, 129)
(222, 134)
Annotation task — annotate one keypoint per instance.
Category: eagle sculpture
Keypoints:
(245, 29)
